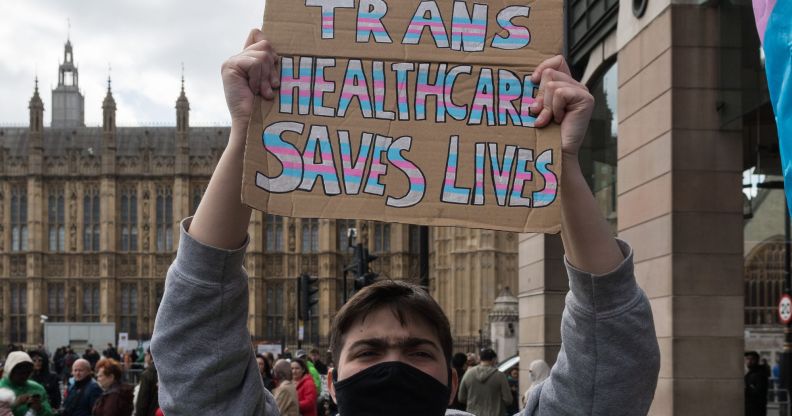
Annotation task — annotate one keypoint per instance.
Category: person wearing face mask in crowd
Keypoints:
(42, 375)
(116, 398)
(30, 396)
(286, 392)
(391, 342)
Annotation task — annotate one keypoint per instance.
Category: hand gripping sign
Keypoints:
(408, 111)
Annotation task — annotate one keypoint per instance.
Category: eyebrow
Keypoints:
(383, 343)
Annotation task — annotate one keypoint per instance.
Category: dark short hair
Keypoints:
(403, 299)
(487, 354)
(111, 368)
(459, 360)
(753, 354)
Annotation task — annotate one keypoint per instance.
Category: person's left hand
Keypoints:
(563, 100)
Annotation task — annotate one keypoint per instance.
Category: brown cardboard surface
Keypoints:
(409, 173)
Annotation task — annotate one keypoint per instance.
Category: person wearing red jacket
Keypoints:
(306, 389)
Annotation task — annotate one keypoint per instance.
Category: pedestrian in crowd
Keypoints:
(111, 352)
(538, 371)
(513, 377)
(91, 355)
(29, 394)
(472, 360)
(83, 393)
(391, 342)
(43, 376)
(7, 399)
(68, 362)
(316, 359)
(311, 369)
(306, 389)
(116, 398)
(459, 364)
(485, 390)
(286, 391)
(147, 399)
(57, 360)
(271, 358)
(756, 386)
(266, 372)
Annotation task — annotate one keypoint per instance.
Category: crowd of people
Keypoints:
(33, 383)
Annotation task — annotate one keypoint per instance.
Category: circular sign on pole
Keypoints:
(785, 309)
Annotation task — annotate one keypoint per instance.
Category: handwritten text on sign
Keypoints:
(418, 114)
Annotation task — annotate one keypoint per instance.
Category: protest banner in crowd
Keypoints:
(408, 111)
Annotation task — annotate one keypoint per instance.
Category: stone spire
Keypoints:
(182, 108)
(36, 108)
(109, 109)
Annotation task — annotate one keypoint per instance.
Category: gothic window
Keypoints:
(56, 299)
(129, 309)
(164, 219)
(90, 310)
(19, 229)
(198, 192)
(56, 217)
(381, 237)
(342, 227)
(274, 330)
(415, 239)
(128, 221)
(274, 233)
(91, 219)
(18, 312)
(310, 235)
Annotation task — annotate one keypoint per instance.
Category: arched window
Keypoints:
(764, 281)
(91, 215)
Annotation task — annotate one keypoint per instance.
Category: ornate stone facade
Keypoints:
(89, 220)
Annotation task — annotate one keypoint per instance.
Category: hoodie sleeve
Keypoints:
(609, 359)
(203, 316)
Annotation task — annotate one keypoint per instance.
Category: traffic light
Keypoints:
(309, 294)
(364, 276)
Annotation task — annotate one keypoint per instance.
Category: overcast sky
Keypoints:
(144, 41)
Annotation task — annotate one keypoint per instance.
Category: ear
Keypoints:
(454, 385)
(331, 385)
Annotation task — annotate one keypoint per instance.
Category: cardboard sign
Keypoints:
(408, 111)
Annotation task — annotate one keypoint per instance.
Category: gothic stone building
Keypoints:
(89, 220)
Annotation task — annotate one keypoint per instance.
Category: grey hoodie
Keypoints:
(608, 363)
(485, 390)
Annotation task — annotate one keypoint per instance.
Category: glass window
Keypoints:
(128, 220)
(274, 233)
(91, 219)
(56, 218)
(310, 235)
(19, 230)
(598, 155)
(90, 294)
(342, 227)
(129, 310)
(381, 237)
(18, 312)
(274, 330)
(164, 219)
(56, 298)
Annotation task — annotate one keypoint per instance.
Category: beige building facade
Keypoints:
(89, 224)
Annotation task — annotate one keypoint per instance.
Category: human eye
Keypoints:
(423, 354)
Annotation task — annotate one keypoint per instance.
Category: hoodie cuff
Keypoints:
(206, 264)
(605, 294)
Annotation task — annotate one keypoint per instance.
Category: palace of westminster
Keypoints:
(89, 224)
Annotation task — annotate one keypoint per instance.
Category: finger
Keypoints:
(560, 100)
(275, 73)
(557, 63)
(546, 95)
(254, 36)
(267, 68)
(261, 45)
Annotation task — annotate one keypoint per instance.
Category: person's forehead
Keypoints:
(384, 324)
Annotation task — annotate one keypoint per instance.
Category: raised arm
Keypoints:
(204, 310)
(609, 358)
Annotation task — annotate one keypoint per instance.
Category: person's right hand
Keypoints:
(22, 399)
(250, 73)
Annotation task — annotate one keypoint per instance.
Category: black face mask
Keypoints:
(391, 388)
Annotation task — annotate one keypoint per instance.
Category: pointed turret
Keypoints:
(109, 109)
(182, 109)
(68, 103)
(36, 108)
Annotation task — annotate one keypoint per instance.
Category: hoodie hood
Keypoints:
(13, 360)
(483, 372)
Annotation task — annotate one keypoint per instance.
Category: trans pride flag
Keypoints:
(774, 22)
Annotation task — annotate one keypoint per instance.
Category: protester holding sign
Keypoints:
(609, 359)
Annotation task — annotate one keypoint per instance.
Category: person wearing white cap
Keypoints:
(29, 394)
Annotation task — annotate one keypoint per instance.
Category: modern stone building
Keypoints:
(683, 115)
(89, 225)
